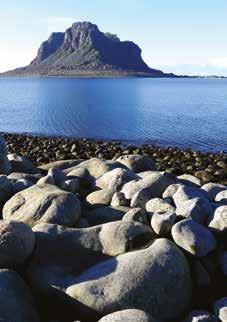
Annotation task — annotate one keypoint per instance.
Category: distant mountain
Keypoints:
(83, 50)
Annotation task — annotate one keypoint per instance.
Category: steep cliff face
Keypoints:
(84, 49)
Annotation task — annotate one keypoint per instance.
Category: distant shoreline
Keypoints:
(45, 149)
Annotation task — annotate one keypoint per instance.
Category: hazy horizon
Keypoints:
(174, 37)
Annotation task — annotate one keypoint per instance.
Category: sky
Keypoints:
(183, 37)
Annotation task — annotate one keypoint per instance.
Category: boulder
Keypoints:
(189, 180)
(21, 184)
(149, 279)
(219, 220)
(162, 223)
(220, 309)
(43, 204)
(16, 303)
(193, 237)
(222, 197)
(159, 205)
(130, 315)
(213, 189)
(119, 200)
(102, 215)
(5, 189)
(100, 198)
(5, 166)
(170, 190)
(22, 164)
(115, 179)
(72, 185)
(185, 193)
(137, 163)
(62, 164)
(97, 167)
(198, 209)
(81, 174)
(200, 275)
(15, 176)
(223, 262)
(136, 214)
(17, 242)
(200, 316)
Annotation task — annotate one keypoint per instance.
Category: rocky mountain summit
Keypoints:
(84, 50)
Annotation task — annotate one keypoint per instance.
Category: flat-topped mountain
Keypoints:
(84, 50)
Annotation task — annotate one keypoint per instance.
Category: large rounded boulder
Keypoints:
(155, 279)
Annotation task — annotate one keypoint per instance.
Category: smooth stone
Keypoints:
(220, 309)
(136, 280)
(5, 166)
(136, 214)
(16, 302)
(97, 167)
(115, 179)
(43, 204)
(102, 215)
(162, 223)
(141, 191)
(100, 198)
(5, 189)
(159, 205)
(82, 223)
(62, 164)
(72, 185)
(185, 193)
(81, 174)
(193, 237)
(219, 220)
(222, 197)
(17, 242)
(22, 184)
(213, 189)
(58, 176)
(15, 176)
(170, 190)
(130, 315)
(119, 199)
(200, 274)
(189, 180)
(200, 316)
(22, 164)
(198, 209)
(137, 163)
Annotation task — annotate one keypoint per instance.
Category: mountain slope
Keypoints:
(84, 50)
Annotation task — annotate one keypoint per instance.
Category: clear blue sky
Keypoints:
(182, 36)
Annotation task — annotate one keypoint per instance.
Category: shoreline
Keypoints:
(207, 166)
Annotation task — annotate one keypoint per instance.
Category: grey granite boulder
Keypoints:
(137, 163)
(193, 237)
(213, 189)
(101, 198)
(185, 193)
(81, 174)
(21, 184)
(17, 242)
(130, 315)
(189, 180)
(61, 164)
(54, 177)
(219, 220)
(5, 189)
(198, 209)
(155, 279)
(136, 214)
(115, 179)
(16, 303)
(220, 309)
(162, 223)
(22, 164)
(159, 205)
(43, 204)
(222, 197)
(102, 215)
(119, 200)
(170, 190)
(15, 176)
(5, 166)
(200, 316)
(97, 167)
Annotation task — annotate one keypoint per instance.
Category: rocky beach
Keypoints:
(105, 231)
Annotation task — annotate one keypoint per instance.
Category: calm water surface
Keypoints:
(177, 112)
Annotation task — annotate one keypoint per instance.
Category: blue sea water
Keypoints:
(167, 112)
